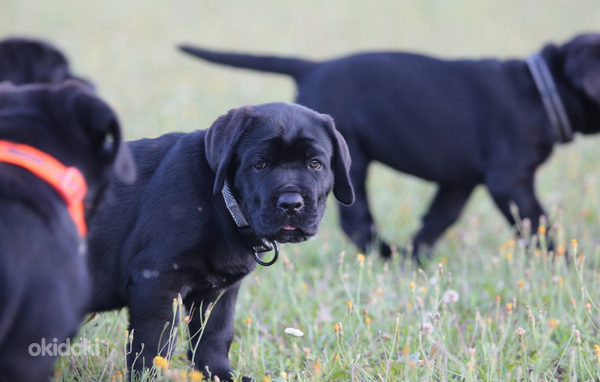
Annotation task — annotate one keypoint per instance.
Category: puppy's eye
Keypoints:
(260, 165)
(314, 164)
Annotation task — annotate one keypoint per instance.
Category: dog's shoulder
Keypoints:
(151, 153)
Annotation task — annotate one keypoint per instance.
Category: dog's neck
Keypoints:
(553, 104)
(257, 244)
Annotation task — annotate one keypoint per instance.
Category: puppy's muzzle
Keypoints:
(290, 203)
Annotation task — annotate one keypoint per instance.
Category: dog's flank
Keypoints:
(457, 123)
(170, 233)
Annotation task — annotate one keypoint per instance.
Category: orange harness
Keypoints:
(67, 181)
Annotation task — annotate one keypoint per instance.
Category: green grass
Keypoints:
(520, 314)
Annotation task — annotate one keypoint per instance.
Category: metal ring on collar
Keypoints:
(273, 260)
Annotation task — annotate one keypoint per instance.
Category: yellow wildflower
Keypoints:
(361, 258)
(161, 362)
(317, 368)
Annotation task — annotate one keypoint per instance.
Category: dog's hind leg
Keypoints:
(443, 211)
(356, 220)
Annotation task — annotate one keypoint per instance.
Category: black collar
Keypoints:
(257, 244)
(550, 97)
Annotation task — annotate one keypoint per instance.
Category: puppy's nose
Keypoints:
(290, 202)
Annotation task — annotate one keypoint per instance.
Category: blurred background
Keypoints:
(128, 49)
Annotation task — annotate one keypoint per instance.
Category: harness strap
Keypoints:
(67, 181)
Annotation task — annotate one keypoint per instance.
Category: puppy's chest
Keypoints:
(222, 280)
(222, 276)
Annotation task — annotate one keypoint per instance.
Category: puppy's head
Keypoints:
(282, 160)
(73, 125)
(581, 63)
(28, 61)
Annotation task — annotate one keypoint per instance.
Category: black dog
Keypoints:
(56, 141)
(27, 61)
(456, 123)
(180, 230)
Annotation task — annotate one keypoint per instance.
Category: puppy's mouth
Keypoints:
(290, 234)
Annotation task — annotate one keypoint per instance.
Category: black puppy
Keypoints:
(26, 61)
(55, 161)
(180, 230)
(456, 123)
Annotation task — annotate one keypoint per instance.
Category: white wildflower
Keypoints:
(294, 332)
(426, 328)
(450, 297)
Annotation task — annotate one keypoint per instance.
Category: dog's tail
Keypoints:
(294, 67)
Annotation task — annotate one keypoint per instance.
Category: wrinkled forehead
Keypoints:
(289, 130)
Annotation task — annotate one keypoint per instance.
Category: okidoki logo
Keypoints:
(56, 349)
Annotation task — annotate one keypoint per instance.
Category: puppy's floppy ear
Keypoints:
(117, 152)
(342, 188)
(582, 64)
(221, 141)
(104, 122)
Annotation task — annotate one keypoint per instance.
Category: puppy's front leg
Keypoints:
(150, 309)
(212, 330)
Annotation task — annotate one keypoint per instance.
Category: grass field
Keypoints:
(485, 308)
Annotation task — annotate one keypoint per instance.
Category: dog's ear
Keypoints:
(582, 64)
(221, 140)
(117, 152)
(342, 187)
(105, 126)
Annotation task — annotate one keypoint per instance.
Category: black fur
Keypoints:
(27, 61)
